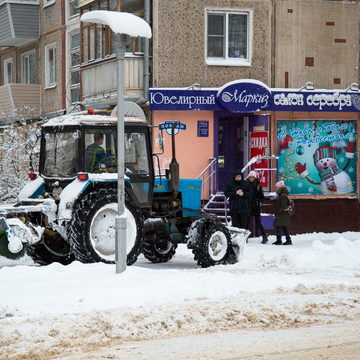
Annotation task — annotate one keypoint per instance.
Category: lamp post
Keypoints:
(120, 23)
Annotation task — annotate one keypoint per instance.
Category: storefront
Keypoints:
(312, 132)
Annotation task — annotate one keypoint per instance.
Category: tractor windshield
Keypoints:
(60, 154)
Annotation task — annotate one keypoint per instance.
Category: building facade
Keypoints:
(245, 79)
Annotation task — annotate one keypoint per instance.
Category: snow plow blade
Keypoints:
(15, 237)
(239, 238)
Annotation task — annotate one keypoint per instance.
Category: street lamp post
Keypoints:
(129, 24)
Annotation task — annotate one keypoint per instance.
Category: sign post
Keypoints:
(120, 23)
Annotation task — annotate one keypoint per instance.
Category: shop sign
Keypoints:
(315, 101)
(248, 96)
(244, 96)
(174, 99)
(259, 145)
(202, 128)
(169, 125)
(317, 157)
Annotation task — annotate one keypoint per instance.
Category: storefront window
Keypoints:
(317, 157)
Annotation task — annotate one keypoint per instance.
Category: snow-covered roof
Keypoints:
(119, 22)
(81, 118)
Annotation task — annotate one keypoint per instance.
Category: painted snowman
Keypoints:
(333, 180)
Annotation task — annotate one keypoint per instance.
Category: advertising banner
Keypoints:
(317, 157)
(259, 142)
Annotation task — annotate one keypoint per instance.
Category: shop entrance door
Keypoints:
(231, 145)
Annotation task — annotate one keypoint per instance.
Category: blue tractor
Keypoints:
(67, 211)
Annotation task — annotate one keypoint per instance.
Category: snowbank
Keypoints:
(55, 307)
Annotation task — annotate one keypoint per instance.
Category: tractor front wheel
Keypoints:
(214, 245)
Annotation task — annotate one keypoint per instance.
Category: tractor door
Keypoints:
(138, 163)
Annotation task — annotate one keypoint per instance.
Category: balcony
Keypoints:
(19, 22)
(99, 81)
(19, 101)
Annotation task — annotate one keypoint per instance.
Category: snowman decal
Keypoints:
(333, 180)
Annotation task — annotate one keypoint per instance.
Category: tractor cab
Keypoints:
(88, 144)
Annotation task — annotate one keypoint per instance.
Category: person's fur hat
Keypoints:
(279, 184)
(252, 173)
(238, 172)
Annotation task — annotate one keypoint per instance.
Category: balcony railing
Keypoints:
(19, 101)
(99, 80)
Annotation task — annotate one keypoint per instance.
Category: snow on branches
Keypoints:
(19, 155)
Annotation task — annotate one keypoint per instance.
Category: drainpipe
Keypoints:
(146, 56)
(273, 45)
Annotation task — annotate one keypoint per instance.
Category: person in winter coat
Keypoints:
(282, 216)
(257, 196)
(238, 193)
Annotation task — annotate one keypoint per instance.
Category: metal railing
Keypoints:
(208, 177)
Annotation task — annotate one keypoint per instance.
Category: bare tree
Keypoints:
(18, 153)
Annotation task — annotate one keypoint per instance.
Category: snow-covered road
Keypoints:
(319, 342)
(53, 311)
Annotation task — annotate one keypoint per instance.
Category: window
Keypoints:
(8, 71)
(98, 41)
(228, 38)
(74, 8)
(74, 67)
(48, 2)
(100, 150)
(61, 152)
(29, 68)
(50, 65)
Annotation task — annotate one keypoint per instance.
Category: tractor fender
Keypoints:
(32, 189)
(196, 229)
(72, 192)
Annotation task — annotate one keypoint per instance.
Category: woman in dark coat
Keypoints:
(282, 216)
(257, 196)
(238, 193)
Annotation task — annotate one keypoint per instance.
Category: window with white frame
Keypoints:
(74, 67)
(50, 65)
(28, 68)
(48, 2)
(8, 71)
(74, 8)
(228, 37)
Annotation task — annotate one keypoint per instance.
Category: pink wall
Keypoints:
(192, 152)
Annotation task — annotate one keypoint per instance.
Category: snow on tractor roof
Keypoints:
(83, 118)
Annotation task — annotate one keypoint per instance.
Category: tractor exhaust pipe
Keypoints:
(174, 166)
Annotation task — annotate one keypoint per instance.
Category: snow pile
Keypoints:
(311, 252)
(54, 309)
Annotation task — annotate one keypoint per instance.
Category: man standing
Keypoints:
(95, 154)
(239, 195)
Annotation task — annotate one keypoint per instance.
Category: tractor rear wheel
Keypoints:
(91, 231)
(214, 245)
(158, 248)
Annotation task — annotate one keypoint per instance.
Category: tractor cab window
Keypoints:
(100, 151)
(136, 156)
(60, 154)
